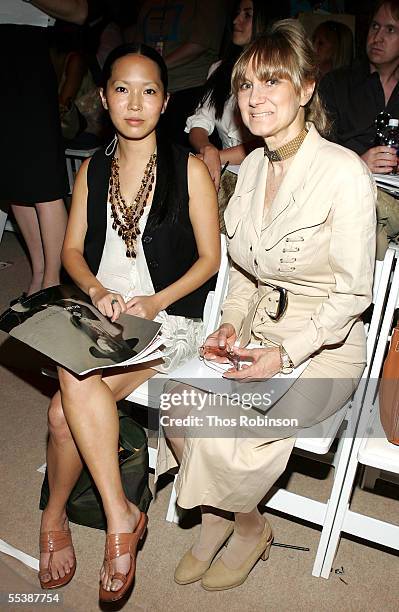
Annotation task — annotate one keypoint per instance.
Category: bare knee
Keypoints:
(74, 389)
(57, 425)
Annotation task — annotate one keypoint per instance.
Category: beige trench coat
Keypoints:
(317, 240)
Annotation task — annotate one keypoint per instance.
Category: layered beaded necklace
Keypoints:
(126, 217)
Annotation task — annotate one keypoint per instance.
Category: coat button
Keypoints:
(255, 262)
(147, 239)
(250, 248)
(153, 264)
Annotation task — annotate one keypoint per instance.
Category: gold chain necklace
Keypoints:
(287, 150)
(126, 217)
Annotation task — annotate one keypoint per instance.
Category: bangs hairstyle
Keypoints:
(284, 52)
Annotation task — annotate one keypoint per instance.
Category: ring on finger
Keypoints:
(114, 301)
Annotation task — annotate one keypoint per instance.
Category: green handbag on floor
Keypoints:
(84, 504)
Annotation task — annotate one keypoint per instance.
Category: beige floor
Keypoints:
(284, 583)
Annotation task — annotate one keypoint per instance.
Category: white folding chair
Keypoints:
(74, 159)
(369, 448)
(318, 439)
(7, 223)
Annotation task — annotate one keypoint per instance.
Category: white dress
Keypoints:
(130, 277)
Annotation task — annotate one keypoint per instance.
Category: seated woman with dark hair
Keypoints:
(217, 108)
(142, 239)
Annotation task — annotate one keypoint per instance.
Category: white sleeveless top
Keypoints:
(130, 277)
(127, 276)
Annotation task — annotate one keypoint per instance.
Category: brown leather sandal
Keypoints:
(116, 545)
(51, 542)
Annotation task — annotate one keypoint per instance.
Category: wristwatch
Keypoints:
(286, 365)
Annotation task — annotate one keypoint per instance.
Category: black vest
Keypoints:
(170, 248)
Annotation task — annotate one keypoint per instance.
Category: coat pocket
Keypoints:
(233, 216)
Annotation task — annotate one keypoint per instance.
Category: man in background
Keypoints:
(357, 96)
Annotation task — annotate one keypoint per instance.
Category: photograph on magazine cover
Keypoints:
(62, 323)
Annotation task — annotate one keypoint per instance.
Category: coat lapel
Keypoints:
(290, 189)
(258, 198)
(249, 194)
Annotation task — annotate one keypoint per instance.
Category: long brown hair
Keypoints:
(217, 87)
(285, 52)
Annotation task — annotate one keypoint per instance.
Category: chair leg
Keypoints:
(337, 455)
(152, 457)
(70, 173)
(171, 514)
(3, 221)
(369, 477)
(339, 520)
(332, 504)
(344, 500)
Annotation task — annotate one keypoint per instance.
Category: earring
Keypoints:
(112, 146)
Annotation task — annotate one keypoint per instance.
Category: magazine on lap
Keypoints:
(208, 376)
(62, 323)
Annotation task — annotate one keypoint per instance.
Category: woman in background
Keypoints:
(217, 108)
(33, 172)
(333, 43)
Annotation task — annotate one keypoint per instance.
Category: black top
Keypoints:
(354, 96)
(170, 248)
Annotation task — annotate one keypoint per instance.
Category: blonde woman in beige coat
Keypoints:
(301, 238)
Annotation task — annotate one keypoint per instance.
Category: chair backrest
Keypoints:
(215, 298)
(369, 447)
(319, 438)
(379, 266)
(389, 309)
(385, 303)
(74, 159)
(382, 275)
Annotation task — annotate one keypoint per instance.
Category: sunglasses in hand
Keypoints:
(206, 351)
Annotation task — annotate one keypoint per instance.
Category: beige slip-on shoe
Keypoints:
(219, 577)
(190, 569)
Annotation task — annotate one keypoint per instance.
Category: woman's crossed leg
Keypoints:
(84, 426)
